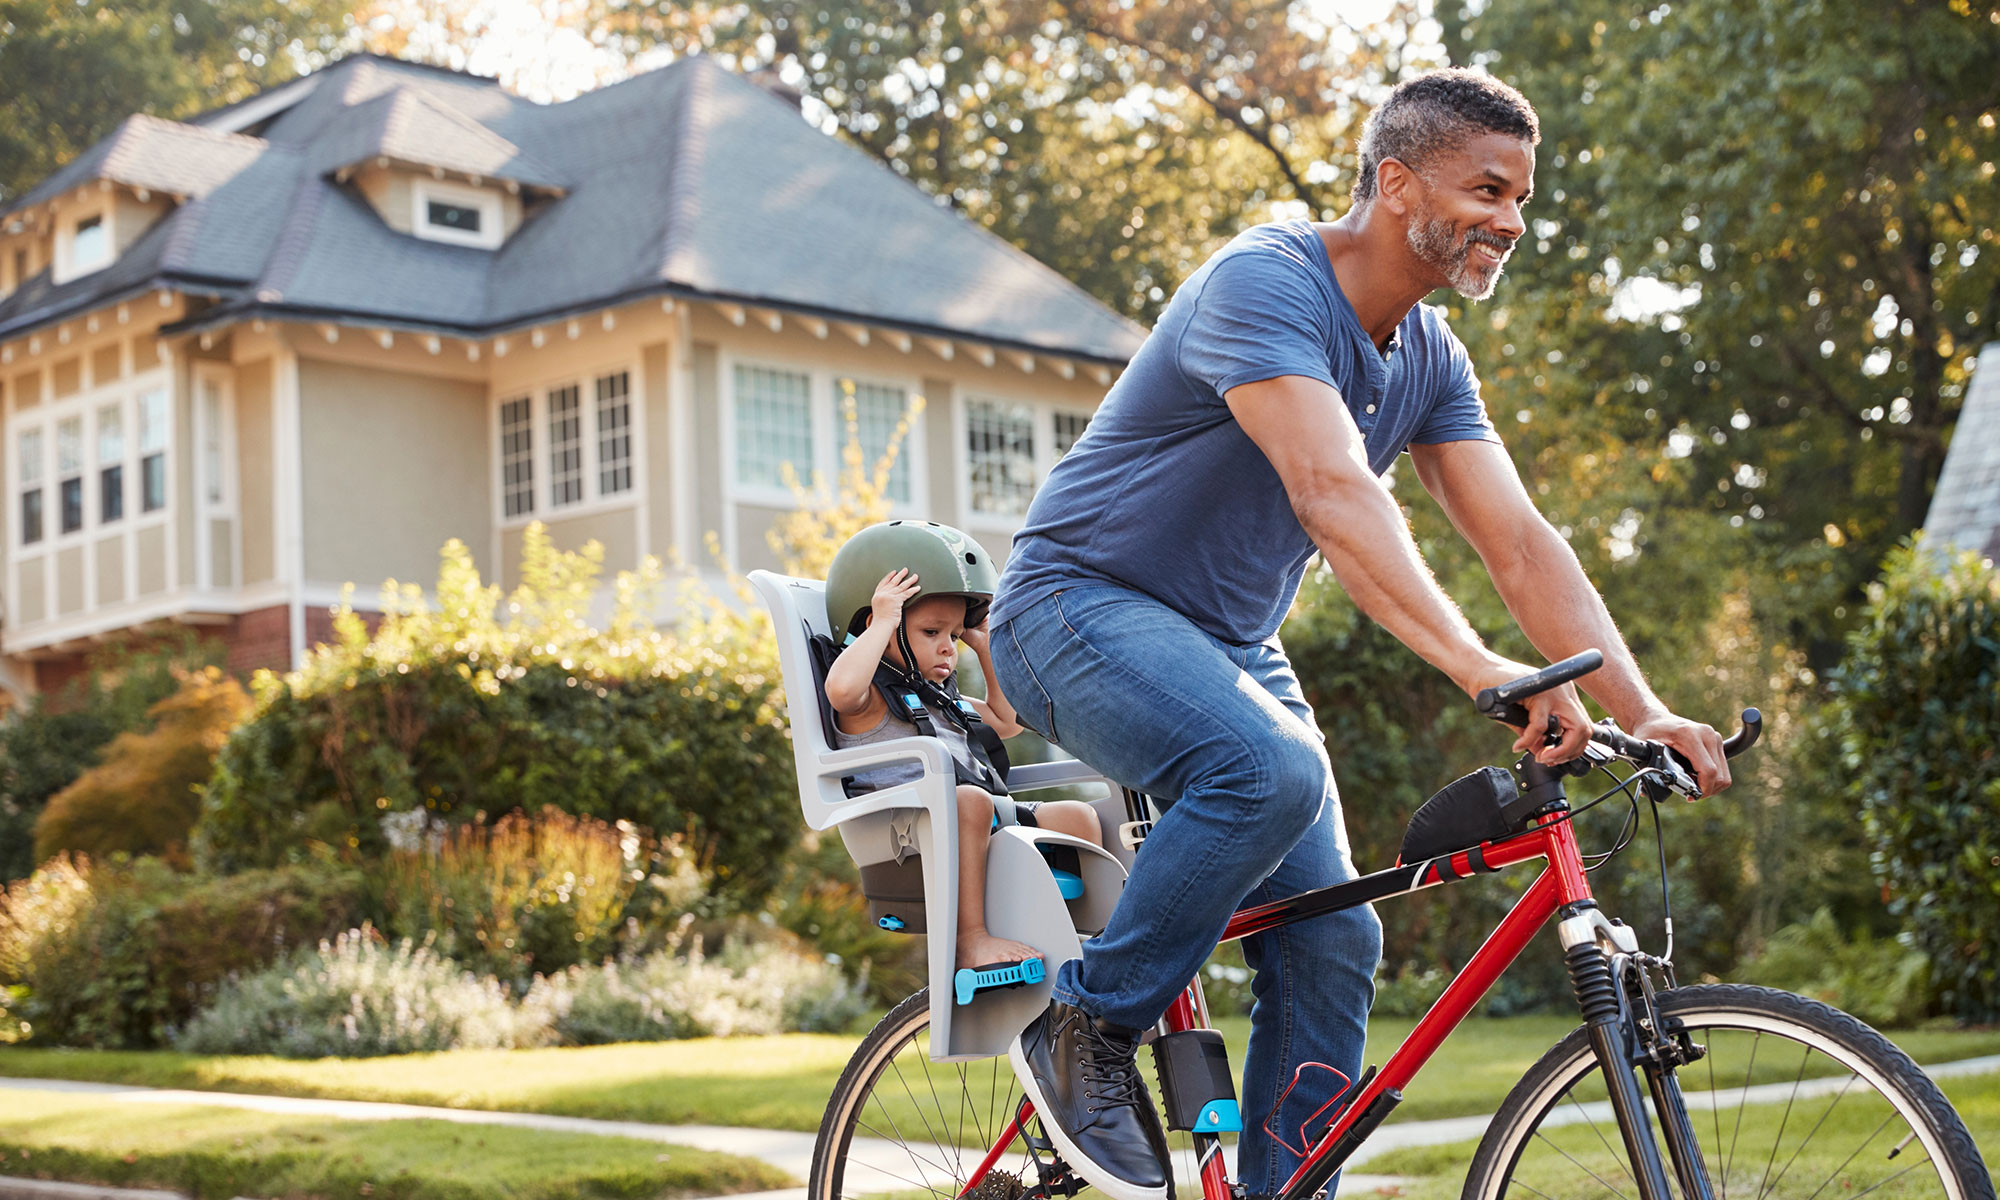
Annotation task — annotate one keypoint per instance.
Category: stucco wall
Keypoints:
(254, 467)
(616, 529)
(395, 464)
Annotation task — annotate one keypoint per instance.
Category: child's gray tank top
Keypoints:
(888, 730)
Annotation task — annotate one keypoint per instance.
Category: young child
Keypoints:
(915, 628)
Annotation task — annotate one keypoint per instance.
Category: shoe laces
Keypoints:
(1110, 1069)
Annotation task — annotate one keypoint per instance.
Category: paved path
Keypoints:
(791, 1151)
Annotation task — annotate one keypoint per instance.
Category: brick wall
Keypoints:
(251, 641)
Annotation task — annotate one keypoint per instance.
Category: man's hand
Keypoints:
(891, 595)
(1700, 744)
(1562, 703)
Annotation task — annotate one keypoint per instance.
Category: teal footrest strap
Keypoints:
(970, 981)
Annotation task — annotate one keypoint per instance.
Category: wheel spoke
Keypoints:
(1851, 1157)
(1742, 1100)
(1599, 1131)
(1579, 1166)
(1893, 1178)
(1715, 1111)
(1810, 1133)
(1779, 1140)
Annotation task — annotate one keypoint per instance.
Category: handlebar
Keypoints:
(1502, 704)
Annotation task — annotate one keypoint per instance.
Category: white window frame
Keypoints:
(67, 267)
(489, 235)
(595, 500)
(222, 426)
(829, 431)
(1042, 415)
(83, 406)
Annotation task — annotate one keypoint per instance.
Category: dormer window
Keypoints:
(464, 216)
(82, 246)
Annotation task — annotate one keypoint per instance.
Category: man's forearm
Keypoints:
(1555, 604)
(1360, 529)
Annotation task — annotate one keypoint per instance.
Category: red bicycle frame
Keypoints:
(1562, 883)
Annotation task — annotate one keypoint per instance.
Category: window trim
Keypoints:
(1043, 414)
(83, 406)
(66, 266)
(537, 389)
(823, 397)
(491, 213)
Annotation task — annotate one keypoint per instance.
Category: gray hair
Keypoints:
(1435, 114)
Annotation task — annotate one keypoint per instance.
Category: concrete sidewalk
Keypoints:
(790, 1150)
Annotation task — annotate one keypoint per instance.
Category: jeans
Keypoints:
(1222, 732)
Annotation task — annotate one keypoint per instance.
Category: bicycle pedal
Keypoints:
(970, 981)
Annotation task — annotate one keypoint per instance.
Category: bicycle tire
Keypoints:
(1529, 1153)
(899, 1124)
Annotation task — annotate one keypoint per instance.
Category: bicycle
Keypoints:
(1756, 1062)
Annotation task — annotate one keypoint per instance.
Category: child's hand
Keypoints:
(976, 639)
(891, 595)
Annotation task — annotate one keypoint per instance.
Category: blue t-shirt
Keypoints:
(1166, 495)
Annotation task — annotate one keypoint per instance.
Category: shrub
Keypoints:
(1918, 704)
(530, 894)
(476, 705)
(749, 988)
(144, 796)
(356, 997)
(1880, 980)
(114, 956)
(58, 736)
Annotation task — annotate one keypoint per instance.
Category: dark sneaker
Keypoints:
(1081, 1075)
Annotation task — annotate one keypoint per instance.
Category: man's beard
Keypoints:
(1440, 247)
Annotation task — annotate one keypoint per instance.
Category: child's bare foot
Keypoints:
(978, 948)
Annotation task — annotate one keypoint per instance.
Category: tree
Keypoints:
(71, 71)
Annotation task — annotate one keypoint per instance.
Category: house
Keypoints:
(1965, 509)
(304, 339)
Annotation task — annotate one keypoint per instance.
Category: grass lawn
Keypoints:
(773, 1082)
(220, 1153)
(1438, 1172)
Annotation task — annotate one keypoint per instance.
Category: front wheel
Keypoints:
(901, 1125)
(1794, 1100)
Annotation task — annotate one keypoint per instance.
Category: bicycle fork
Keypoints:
(1612, 987)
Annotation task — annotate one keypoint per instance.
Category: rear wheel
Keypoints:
(1793, 1101)
(899, 1124)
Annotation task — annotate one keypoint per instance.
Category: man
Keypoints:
(1136, 621)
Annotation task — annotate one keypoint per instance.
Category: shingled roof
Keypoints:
(1965, 509)
(687, 181)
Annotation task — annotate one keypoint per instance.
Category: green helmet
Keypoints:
(945, 561)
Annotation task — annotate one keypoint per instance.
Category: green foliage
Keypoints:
(530, 895)
(750, 988)
(357, 997)
(144, 796)
(484, 704)
(116, 956)
(820, 901)
(1917, 703)
(1880, 980)
(58, 736)
(165, 57)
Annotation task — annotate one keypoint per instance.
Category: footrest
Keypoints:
(970, 981)
(1070, 885)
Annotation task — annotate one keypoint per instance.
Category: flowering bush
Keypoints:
(484, 703)
(749, 988)
(358, 997)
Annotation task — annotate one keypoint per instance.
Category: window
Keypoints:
(69, 472)
(153, 450)
(878, 410)
(1069, 426)
(565, 446)
(1000, 449)
(773, 426)
(90, 245)
(214, 488)
(110, 464)
(614, 433)
(31, 486)
(517, 457)
(458, 213)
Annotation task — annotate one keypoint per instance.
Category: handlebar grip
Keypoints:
(1500, 702)
(1746, 737)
